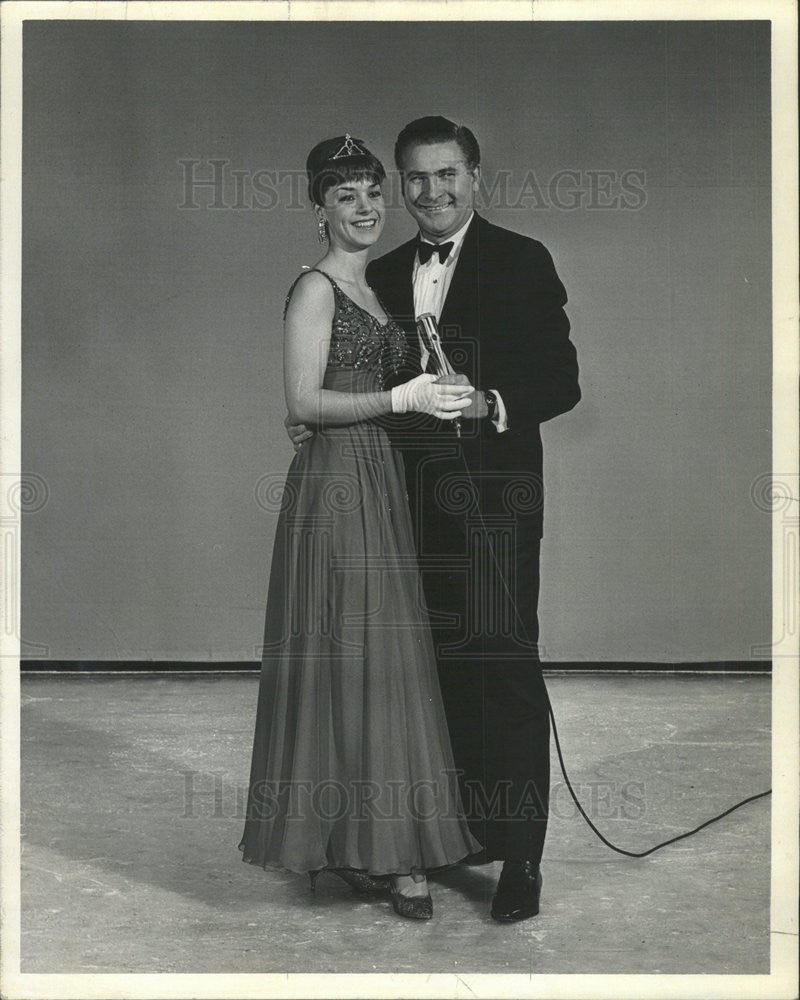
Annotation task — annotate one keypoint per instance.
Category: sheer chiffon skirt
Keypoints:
(352, 765)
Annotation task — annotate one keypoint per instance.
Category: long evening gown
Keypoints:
(352, 765)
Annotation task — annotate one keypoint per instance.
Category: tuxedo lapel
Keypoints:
(459, 314)
(401, 305)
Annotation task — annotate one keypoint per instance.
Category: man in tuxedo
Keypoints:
(477, 498)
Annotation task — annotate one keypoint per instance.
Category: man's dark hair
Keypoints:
(434, 128)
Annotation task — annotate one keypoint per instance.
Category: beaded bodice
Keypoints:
(360, 343)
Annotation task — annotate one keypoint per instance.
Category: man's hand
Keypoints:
(478, 408)
(298, 433)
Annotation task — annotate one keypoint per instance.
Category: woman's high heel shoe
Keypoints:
(413, 907)
(358, 880)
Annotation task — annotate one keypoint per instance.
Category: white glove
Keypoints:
(424, 394)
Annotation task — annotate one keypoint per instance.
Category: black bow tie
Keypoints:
(425, 251)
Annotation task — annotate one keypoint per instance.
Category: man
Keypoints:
(476, 498)
(499, 306)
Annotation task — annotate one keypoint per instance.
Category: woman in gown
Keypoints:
(352, 770)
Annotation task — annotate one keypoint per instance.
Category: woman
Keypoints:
(352, 770)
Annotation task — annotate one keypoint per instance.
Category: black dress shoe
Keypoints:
(517, 896)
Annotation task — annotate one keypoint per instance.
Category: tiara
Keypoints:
(349, 148)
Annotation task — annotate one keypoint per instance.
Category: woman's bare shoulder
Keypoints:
(310, 291)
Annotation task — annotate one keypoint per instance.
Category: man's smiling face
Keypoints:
(438, 188)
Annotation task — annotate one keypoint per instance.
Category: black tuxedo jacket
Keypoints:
(503, 325)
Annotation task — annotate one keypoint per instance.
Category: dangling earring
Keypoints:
(322, 231)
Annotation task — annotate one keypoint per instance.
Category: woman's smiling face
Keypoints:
(355, 213)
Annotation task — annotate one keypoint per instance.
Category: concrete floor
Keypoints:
(133, 795)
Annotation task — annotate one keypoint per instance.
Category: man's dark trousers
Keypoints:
(477, 508)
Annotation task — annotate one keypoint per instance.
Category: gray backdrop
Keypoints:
(152, 382)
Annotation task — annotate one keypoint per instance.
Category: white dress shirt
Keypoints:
(431, 283)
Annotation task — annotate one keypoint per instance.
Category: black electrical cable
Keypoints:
(621, 850)
(575, 799)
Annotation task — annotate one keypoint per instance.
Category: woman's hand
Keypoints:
(298, 433)
(424, 394)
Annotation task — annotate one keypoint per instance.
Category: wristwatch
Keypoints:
(491, 403)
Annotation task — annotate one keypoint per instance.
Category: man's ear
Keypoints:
(476, 177)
